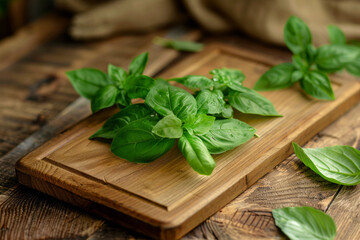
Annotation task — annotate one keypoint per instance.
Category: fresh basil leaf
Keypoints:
(250, 102)
(336, 35)
(87, 81)
(195, 81)
(168, 100)
(136, 143)
(227, 112)
(318, 85)
(311, 53)
(332, 58)
(277, 77)
(297, 35)
(210, 102)
(169, 127)
(122, 99)
(161, 81)
(117, 75)
(227, 134)
(104, 98)
(300, 64)
(296, 76)
(337, 164)
(300, 223)
(201, 124)
(186, 46)
(121, 119)
(196, 154)
(354, 67)
(232, 78)
(138, 65)
(138, 86)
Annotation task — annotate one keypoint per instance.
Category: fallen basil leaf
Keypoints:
(138, 86)
(227, 134)
(201, 124)
(186, 46)
(87, 81)
(121, 119)
(138, 65)
(232, 78)
(250, 102)
(318, 85)
(297, 35)
(194, 81)
(117, 75)
(300, 223)
(337, 164)
(336, 35)
(104, 98)
(210, 102)
(136, 143)
(196, 154)
(277, 77)
(168, 100)
(168, 127)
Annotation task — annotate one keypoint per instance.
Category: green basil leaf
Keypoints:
(300, 223)
(136, 143)
(227, 134)
(336, 35)
(168, 100)
(169, 127)
(87, 81)
(117, 75)
(210, 102)
(195, 81)
(161, 81)
(296, 35)
(337, 164)
(138, 65)
(232, 78)
(296, 76)
(104, 98)
(311, 53)
(201, 124)
(250, 102)
(138, 86)
(318, 85)
(121, 119)
(227, 112)
(186, 46)
(277, 77)
(300, 63)
(196, 154)
(354, 67)
(122, 99)
(332, 58)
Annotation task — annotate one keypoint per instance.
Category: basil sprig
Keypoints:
(217, 96)
(300, 223)
(311, 65)
(115, 87)
(337, 164)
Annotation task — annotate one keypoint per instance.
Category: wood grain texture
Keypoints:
(163, 209)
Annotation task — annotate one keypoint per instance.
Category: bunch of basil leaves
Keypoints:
(217, 96)
(310, 65)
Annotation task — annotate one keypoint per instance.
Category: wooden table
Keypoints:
(34, 91)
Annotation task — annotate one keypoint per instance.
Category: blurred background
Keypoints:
(260, 19)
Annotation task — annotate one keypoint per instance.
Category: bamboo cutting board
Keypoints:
(165, 199)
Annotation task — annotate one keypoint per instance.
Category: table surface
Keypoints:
(34, 91)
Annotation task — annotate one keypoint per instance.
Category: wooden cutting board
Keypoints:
(165, 199)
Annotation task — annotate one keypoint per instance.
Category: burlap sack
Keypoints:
(261, 19)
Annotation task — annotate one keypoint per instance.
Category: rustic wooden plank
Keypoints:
(31, 36)
(291, 184)
(177, 198)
